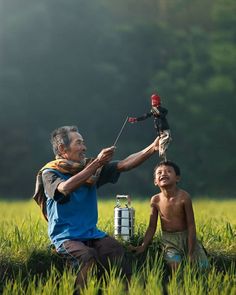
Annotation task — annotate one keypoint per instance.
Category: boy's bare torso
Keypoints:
(171, 211)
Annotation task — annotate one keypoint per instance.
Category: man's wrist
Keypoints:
(97, 163)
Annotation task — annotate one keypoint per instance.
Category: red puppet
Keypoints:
(160, 123)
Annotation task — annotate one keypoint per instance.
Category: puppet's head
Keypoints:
(155, 100)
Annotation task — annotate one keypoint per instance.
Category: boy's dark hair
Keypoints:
(168, 163)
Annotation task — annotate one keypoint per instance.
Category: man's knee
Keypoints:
(89, 256)
(78, 253)
(111, 248)
(111, 253)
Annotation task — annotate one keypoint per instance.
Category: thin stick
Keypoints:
(123, 126)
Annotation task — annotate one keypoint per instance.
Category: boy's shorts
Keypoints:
(175, 247)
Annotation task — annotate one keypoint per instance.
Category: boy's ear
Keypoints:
(155, 181)
(178, 178)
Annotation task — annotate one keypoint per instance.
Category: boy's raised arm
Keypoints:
(149, 232)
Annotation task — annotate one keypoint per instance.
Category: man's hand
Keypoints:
(137, 249)
(156, 143)
(106, 155)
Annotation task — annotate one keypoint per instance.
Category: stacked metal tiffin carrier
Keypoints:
(124, 216)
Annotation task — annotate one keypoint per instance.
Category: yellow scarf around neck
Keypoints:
(66, 167)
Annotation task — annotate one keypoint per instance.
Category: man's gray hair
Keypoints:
(60, 136)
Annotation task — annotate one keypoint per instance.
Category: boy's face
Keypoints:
(165, 176)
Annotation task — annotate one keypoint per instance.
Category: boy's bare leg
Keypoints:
(173, 266)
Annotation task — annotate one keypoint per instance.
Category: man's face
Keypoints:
(77, 148)
(165, 176)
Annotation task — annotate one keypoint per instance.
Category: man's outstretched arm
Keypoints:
(138, 158)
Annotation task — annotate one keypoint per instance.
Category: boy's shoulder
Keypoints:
(184, 195)
(183, 192)
(155, 198)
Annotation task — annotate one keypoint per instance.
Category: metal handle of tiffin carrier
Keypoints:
(123, 218)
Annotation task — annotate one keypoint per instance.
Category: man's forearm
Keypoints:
(136, 159)
(78, 179)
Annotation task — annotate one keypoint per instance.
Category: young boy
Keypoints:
(174, 207)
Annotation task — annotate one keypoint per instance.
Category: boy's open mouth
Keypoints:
(164, 178)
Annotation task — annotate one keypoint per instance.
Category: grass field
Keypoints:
(28, 266)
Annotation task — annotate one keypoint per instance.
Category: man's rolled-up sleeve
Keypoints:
(109, 174)
(50, 182)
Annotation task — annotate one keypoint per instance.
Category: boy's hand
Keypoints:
(137, 249)
(191, 258)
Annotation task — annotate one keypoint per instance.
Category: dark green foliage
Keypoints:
(92, 63)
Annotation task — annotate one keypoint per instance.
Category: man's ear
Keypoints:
(61, 149)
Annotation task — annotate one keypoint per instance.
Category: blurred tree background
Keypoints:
(92, 63)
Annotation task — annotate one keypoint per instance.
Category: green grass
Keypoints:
(28, 266)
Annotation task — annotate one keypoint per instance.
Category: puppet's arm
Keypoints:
(141, 118)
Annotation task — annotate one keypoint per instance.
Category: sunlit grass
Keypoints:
(29, 267)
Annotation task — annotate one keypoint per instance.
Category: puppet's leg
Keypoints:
(165, 139)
